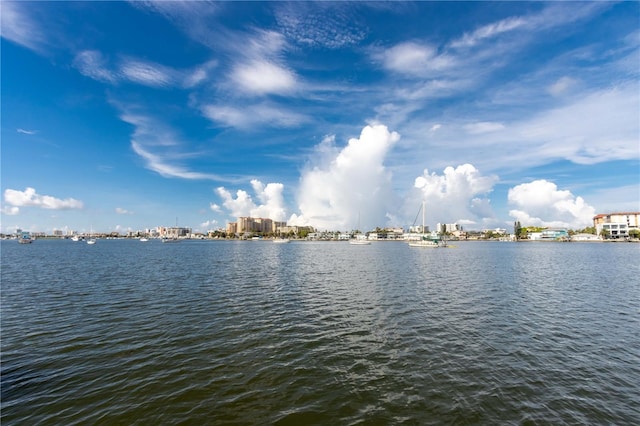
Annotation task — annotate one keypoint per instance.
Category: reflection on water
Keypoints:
(319, 333)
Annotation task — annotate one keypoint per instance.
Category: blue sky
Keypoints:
(131, 115)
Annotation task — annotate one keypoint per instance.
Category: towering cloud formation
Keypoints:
(270, 196)
(349, 187)
(456, 196)
(540, 203)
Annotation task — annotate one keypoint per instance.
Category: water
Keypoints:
(125, 332)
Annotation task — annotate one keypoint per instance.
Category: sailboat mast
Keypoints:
(423, 216)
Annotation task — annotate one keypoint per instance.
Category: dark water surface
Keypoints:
(125, 332)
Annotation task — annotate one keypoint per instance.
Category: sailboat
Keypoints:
(423, 241)
(359, 240)
(91, 240)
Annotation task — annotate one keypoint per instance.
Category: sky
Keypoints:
(124, 116)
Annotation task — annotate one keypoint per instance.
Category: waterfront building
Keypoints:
(554, 234)
(174, 232)
(616, 225)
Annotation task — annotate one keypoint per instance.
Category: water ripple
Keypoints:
(318, 333)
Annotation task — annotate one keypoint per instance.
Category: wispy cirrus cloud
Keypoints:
(97, 66)
(247, 117)
(120, 210)
(162, 150)
(27, 132)
(30, 198)
(18, 26)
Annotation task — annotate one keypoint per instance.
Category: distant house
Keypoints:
(616, 225)
(585, 237)
(554, 234)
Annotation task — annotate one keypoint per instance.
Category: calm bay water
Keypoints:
(218, 332)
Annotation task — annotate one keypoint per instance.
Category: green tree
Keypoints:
(517, 230)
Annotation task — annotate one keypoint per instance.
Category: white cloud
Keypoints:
(262, 77)
(326, 24)
(458, 195)
(93, 64)
(161, 166)
(120, 210)
(483, 127)
(147, 73)
(599, 126)
(349, 184)
(540, 203)
(209, 224)
(159, 147)
(216, 208)
(10, 210)
(262, 114)
(16, 25)
(561, 86)
(29, 198)
(26, 132)
(271, 198)
(415, 59)
(490, 31)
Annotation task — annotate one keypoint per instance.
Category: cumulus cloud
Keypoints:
(29, 198)
(209, 224)
(349, 185)
(120, 210)
(459, 195)
(10, 210)
(541, 203)
(270, 197)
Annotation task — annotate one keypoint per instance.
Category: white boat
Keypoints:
(281, 240)
(144, 240)
(25, 238)
(91, 240)
(75, 238)
(359, 240)
(423, 241)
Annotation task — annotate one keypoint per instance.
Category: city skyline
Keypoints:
(122, 116)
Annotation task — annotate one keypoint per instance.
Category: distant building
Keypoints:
(585, 237)
(617, 225)
(174, 232)
(554, 234)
